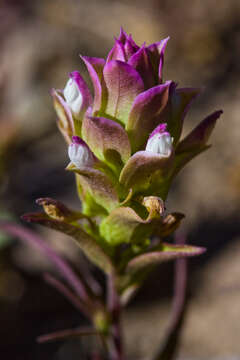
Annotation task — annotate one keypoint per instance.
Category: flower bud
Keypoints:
(160, 141)
(79, 153)
(154, 205)
(72, 94)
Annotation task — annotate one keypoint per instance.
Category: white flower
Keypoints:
(160, 141)
(80, 154)
(73, 96)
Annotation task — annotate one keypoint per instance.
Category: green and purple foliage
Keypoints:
(125, 149)
(125, 141)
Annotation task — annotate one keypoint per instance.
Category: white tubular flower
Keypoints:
(160, 141)
(79, 153)
(73, 95)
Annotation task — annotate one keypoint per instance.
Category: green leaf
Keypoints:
(87, 244)
(106, 137)
(195, 142)
(182, 158)
(141, 168)
(97, 191)
(199, 136)
(123, 225)
(168, 252)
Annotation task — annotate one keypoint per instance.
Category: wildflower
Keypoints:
(73, 95)
(160, 141)
(79, 153)
(77, 95)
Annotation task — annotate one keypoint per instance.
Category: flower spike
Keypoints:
(128, 140)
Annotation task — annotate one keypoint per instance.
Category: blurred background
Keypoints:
(40, 43)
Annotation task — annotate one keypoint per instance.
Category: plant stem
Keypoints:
(168, 348)
(115, 342)
(67, 333)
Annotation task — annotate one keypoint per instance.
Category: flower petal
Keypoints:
(106, 138)
(87, 244)
(145, 114)
(95, 68)
(78, 107)
(123, 84)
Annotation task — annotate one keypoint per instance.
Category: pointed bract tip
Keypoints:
(123, 35)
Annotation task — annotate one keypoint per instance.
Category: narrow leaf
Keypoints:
(199, 136)
(87, 244)
(66, 334)
(168, 252)
(32, 239)
(182, 158)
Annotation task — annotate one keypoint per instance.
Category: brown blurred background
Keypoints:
(39, 45)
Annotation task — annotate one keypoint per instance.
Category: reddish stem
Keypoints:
(114, 308)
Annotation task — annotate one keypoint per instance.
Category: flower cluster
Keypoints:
(125, 148)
